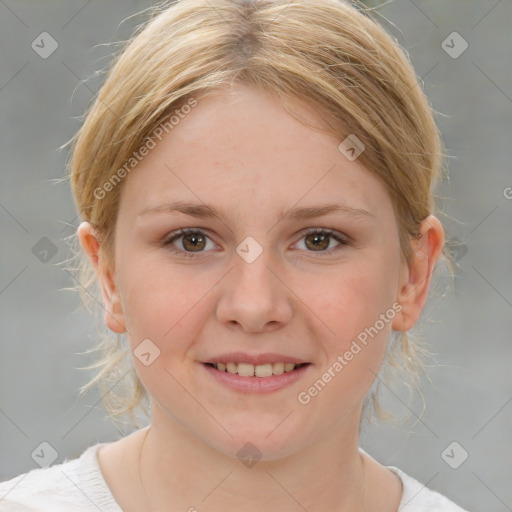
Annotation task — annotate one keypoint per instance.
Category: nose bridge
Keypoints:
(252, 273)
(252, 295)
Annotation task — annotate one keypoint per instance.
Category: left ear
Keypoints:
(416, 276)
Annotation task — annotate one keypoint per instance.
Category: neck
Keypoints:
(179, 472)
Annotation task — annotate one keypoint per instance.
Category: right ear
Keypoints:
(114, 318)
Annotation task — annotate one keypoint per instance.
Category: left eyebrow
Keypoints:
(204, 211)
(312, 212)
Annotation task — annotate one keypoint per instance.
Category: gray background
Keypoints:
(467, 327)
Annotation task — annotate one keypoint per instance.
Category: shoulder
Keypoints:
(75, 484)
(417, 497)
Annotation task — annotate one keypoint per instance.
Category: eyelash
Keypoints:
(343, 240)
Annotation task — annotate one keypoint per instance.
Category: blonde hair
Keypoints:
(325, 53)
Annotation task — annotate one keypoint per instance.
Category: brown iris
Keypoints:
(320, 241)
(194, 242)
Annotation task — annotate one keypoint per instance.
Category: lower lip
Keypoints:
(257, 384)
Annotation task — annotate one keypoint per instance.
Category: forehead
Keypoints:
(241, 148)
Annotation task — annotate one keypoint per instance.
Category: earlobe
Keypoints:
(91, 243)
(416, 277)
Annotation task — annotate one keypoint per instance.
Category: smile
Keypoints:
(260, 370)
(256, 378)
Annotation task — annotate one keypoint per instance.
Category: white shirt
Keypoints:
(78, 485)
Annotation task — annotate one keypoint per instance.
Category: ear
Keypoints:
(89, 240)
(416, 276)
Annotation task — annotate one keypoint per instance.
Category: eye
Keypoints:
(195, 241)
(319, 240)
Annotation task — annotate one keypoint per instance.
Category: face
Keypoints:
(273, 277)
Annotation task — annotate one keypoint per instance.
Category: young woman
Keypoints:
(254, 180)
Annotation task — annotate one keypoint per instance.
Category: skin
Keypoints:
(242, 153)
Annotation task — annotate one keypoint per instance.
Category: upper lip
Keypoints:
(255, 359)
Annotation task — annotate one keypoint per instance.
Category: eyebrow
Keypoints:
(204, 211)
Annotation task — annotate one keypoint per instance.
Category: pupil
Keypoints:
(196, 240)
(319, 241)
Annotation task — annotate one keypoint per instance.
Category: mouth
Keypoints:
(264, 373)
(257, 371)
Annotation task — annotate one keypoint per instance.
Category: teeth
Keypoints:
(288, 367)
(245, 370)
(260, 370)
(278, 368)
(263, 370)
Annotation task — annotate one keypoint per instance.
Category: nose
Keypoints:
(253, 297)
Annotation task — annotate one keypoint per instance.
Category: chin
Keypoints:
(267, 444)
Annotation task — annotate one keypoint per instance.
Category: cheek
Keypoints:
(352, 299)
(169, 307)
(357, 308)
(166, 307)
